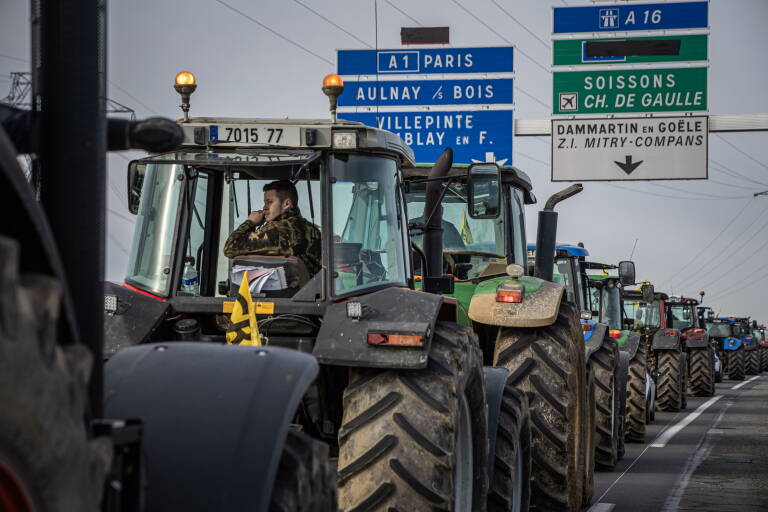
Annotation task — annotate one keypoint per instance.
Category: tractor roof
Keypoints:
(637, 294)
(226, 133)
(570, 249)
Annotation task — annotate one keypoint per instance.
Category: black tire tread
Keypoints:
(556, 364)
(635, 418)
(701, 372)
(604, 362)
(752, 362)
(397, 433)
(736, 364)
(305, 480)
(669, 387)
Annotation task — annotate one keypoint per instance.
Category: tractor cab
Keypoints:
(645, 311)
(188, 201)
(478, 241)
(724, 330)
(687, 316)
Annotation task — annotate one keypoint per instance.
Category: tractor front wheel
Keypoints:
(637, 401)
(604, 363)
(702, 375)
(736, 364)
(752, 363)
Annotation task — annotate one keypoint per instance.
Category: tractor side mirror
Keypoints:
(136, 171)
(484, 186)
(627, 272)
(648, 293)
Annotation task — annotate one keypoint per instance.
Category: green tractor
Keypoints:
(605, 293)
(524, 322)
(667, 358)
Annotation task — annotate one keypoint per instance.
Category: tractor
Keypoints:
(402, 400)
(758, 331)
(605, 292)
(604, 359)
(687, 316)
(523, 322)
(667, 359)
(751, 345)
(730, 348)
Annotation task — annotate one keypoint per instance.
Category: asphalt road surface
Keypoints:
(713, 456)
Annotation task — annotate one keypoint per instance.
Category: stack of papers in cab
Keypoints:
(260, 278)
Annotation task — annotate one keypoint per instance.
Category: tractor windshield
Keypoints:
(758, 335)
(563, 274)
(610, 311)
(645, 314)
(469, 244)
(719, 330)
(681, 316)
(369, 234)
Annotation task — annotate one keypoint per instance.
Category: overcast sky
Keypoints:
(691, 235)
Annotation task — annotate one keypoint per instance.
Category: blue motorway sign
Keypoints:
(628, 17)
(427, 92)
(426, 61)
(476, 135)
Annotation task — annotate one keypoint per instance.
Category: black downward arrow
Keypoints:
(628, 166)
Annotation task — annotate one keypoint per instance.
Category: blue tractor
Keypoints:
(602, 352)
(730, 347)
(751, 345)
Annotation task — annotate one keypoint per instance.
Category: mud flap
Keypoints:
(215, 418)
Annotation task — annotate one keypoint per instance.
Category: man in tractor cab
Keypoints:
(278, 229)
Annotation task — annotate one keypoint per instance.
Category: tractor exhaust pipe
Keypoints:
(433, 216)
(547, 233)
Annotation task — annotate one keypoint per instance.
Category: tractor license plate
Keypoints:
(255, 135)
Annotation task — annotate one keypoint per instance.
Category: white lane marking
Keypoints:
(632, 464)
(737, 386)
(668, 434)
(602, 507)
(672, 503)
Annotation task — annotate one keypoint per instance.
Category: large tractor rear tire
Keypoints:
(47, 463)
(752, 363)
(702, 374)
(635, 419)
(305, 480)
(763, 359)
(605, 365)
(669, 390)
(510, 483)
(736, 364)
(548, 364)
(417, 440)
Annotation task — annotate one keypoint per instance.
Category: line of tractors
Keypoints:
(437, 361)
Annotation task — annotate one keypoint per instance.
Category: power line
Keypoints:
(499, 35)
(732, 269)
(350, 34)
(667, 196)
(730, 185)
(728, 170)
(274, 32)
(26, 61)
(521, 25)
(403, 13)
(758, 162)
(700, 194)
(714, 238)
(685, 281)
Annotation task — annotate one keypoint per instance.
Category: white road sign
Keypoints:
(627, 149)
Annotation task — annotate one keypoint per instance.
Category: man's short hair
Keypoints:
(284, 190)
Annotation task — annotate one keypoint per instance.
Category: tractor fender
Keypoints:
(599, 332)
(539, 307)
(749, 345)
(633, 342)
(495, 382)
(215, 418)
(731, 343)
(137, 317)
(697, 340)
(666, 339)
(343, 341)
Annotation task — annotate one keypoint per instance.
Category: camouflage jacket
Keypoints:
(289, 234)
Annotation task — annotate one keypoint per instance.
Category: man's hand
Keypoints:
(257, 217)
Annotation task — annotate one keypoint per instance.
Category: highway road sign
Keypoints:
(478, 135)
(631, 17)
(630, 90)
(573, 52)
(427, 92)
(630, 149)
(491, 59)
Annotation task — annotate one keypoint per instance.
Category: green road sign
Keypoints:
(572, 52)
(630, 90)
